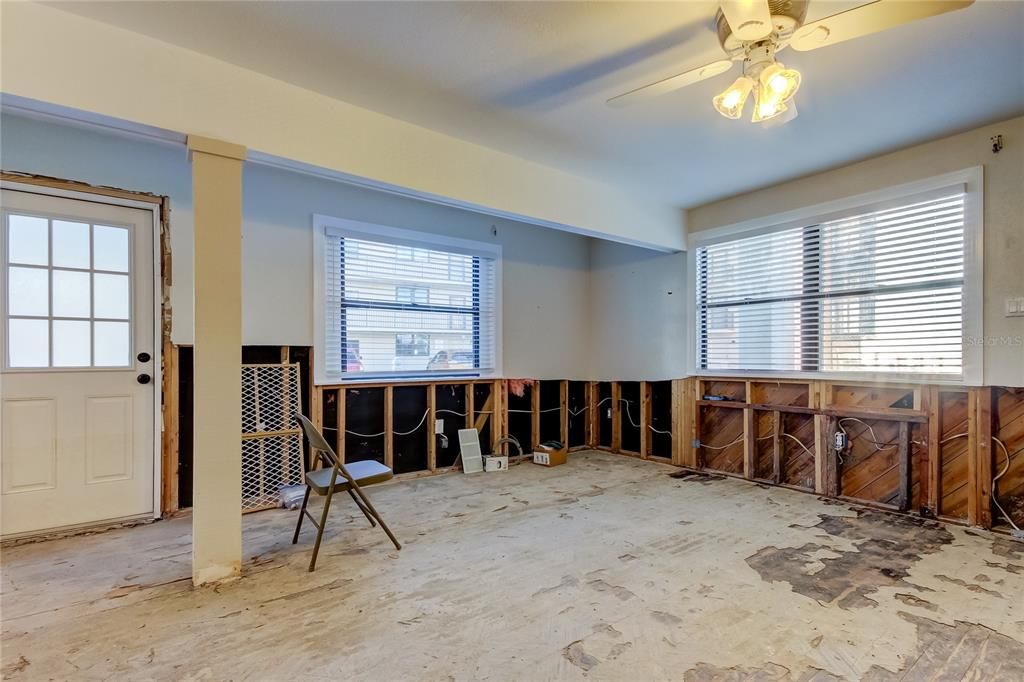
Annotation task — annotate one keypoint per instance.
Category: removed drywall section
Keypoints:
(484, 414)
(661, 435)
(550, 410)
(604, 414)
(637, 313)
(629, 416)
(409, 426)
(365, 424)
(450, 408)
(1004, 205)
(520, 417)
(578, 413)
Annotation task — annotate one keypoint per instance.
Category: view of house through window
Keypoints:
(399, 309)
(880, 291)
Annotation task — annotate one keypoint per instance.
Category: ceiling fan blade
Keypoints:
(748, 19)
(671, 83)
(866, 19)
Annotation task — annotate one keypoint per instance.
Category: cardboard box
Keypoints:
(548, 457)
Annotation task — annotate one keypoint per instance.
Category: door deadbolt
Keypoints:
(144, 357)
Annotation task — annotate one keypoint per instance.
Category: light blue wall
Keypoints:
(545, 300)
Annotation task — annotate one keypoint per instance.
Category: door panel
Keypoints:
(77, 309)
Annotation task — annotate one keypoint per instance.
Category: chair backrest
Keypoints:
(320, 445)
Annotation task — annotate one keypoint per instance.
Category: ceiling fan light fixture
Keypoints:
(780, 82)
(767, 106)
(730, 103)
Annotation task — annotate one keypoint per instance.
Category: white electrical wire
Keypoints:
(873, 440)
(995, 480)
(637, 426)
(394, 433)
(723, 447)
(800, 443)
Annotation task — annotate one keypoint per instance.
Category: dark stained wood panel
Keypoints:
(953, 456)
(733, 390)
(1009, 428)
(719, 427)
(872, 396)
(797, 463)
(772, 393)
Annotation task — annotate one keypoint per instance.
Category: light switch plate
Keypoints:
(1015, 307)
(438, 426)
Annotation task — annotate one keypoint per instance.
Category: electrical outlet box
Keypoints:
(1015, 307)
(840, 441)
(438, 426)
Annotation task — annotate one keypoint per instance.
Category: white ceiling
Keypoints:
(531, 79)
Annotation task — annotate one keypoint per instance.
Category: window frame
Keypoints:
(970, 180)
(324, 225)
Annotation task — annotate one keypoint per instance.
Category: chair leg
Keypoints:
(320, 530)
(384, 526)
(362, 508)
(302, 514)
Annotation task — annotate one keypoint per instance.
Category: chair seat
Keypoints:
(367, 472)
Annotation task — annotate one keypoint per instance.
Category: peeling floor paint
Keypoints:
(606, 568)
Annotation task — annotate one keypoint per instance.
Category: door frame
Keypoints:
(155, 206)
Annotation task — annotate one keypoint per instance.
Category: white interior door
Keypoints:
(76, 421)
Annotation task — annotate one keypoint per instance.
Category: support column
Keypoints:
(217, 478)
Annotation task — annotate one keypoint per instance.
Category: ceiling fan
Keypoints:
(754, 31)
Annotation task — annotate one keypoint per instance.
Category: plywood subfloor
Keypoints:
(606, 568)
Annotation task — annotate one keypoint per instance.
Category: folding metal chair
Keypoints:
(336, 477)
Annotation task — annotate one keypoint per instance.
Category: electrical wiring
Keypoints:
(800, 443)
(723, 447)
(873, 440)
(637, 426)
(1006, 453)
(394, 433)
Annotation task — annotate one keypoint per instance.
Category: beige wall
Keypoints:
(1004, 218)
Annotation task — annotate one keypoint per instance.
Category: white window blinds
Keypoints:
(876, 291)
(402, 308)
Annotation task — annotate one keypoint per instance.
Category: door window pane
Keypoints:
(111, 344)
(28, 343)
(70, 244)
(70, 343)
(70, 293)
(110, 296)
(110, 248)
(29, 292)
(27, 240)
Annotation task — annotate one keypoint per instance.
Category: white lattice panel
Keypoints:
(271, 438)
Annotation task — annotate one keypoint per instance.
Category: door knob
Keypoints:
(144, 357)
(143, 378)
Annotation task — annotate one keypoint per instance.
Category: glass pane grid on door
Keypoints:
(69, 298)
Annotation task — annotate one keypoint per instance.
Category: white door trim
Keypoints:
(154, 210)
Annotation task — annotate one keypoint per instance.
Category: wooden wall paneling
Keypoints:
(903, 453)
(563, 404)
(171, 428)
(616, 417)
(1008, 406)
(591, 414)
(389, 417)
(777, 447)
(982, 478)
(749, 443)
(680, 422)
(954, 449)
(317, 408)
(535, 416)
(722, 448)
(340, 423)
(470, 407)
(645, 419)
(431, 433)
(696, 432)
(826, 464)
(933, 492)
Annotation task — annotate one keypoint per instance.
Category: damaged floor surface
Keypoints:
(606, 568)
